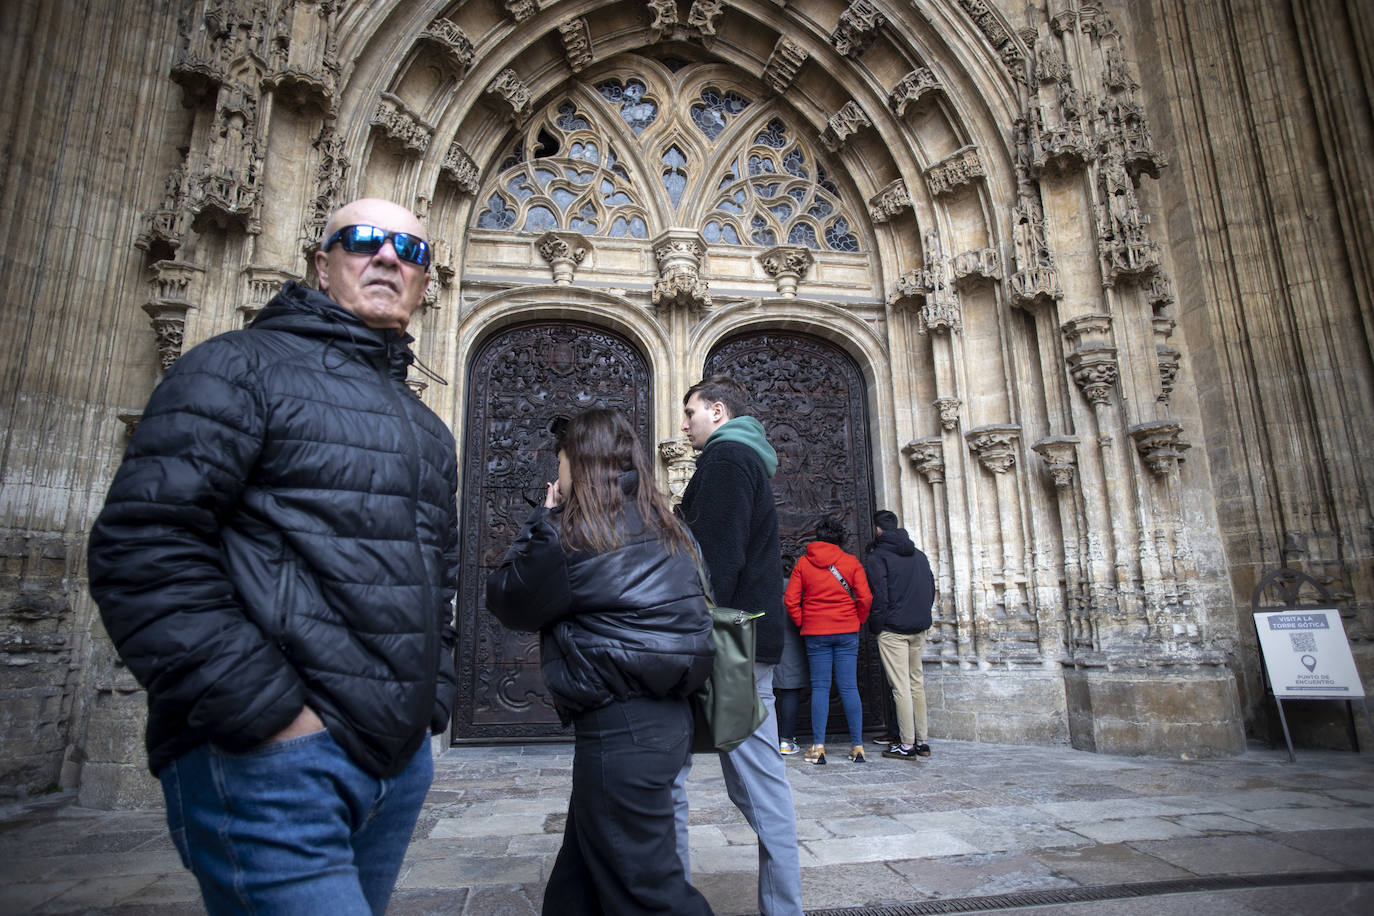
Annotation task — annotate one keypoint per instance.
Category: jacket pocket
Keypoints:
(284, 605)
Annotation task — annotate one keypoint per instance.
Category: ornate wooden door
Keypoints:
(813, 403)
(519, 382)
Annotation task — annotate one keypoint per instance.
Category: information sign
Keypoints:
(1307, 654)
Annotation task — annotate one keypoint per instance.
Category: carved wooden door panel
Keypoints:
(519, 382)
(812, 401)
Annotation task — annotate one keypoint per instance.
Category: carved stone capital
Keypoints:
(1061, 458)
(1160, 444)
(441, 272)
(891, 200)
(512, 93)
(1094, 370)
(563, 251)
(680, 458)
(405, 129)
(955, 171)
(577, 43)
(1167, 359)
(703, 16)
(787, 265)
(912, 88)
(948, 408)
(445, 35)
(995, 446)
(839, 127)
(260, 285)
(1090, 331)
(459, 168)
(679, 253)
(857, 29)
(171, 282)
(928, 455)
(783, 64)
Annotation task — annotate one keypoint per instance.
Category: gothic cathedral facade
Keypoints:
(1081, 289)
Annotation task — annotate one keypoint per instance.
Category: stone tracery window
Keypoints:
(641, 148)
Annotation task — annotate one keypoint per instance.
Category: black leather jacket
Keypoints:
(283, 531)
(627, 623)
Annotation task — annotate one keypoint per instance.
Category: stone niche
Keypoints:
(1184, 711)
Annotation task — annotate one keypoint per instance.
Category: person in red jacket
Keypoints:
(828, 597)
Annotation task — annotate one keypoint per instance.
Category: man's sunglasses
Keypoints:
(370, 239)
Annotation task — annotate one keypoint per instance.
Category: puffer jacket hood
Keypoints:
(283, 532)
(629, 622)
(897, 541)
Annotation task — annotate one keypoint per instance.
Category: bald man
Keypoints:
(276, 563)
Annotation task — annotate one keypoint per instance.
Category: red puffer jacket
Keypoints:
(817, 601)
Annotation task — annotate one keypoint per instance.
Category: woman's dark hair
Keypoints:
(600, 446)
(830, 531)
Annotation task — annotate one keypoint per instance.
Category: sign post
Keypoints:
(1307, 656)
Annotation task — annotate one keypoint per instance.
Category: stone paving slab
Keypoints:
(970, 821)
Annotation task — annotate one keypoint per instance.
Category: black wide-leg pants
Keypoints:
(619, 852)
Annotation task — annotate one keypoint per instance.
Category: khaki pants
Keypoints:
(901, 655)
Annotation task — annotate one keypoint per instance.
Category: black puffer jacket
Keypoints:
(903, 586)
(283, 531)
(627, 623)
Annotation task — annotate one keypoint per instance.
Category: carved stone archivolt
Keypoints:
(913, 87)
(783, 64)
(451, 40)
(857, 29)
(406, 130)
(459, 168)
(679, 254)
(786, 265)
(843, 124)
(563, 251)
(890, 201)
(956, 171)
(512, 94)
(577, 43)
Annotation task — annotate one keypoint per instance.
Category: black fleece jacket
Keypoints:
(902, 584)
(729, 506)
(283, 531)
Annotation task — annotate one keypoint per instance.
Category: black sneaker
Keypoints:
(922, 749)
(900, 753)
(889, 740)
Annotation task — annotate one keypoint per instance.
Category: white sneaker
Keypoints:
(787, 747)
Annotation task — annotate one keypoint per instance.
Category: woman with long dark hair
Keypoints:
(608, 577)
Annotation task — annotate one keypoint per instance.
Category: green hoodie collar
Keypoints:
(749, 431)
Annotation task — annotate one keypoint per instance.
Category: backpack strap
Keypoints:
(844, 584)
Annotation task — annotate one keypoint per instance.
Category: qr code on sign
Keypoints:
(1303, 642)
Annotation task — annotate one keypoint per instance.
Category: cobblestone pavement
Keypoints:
(985, 826)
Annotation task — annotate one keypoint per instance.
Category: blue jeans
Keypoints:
(838, 652)
(292, 827)
(756, 781)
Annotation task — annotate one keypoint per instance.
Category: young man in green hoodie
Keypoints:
(728, 505)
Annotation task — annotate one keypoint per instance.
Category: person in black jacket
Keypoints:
(276, 562)
(609, 579)
(903, 594)
(729, 506)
